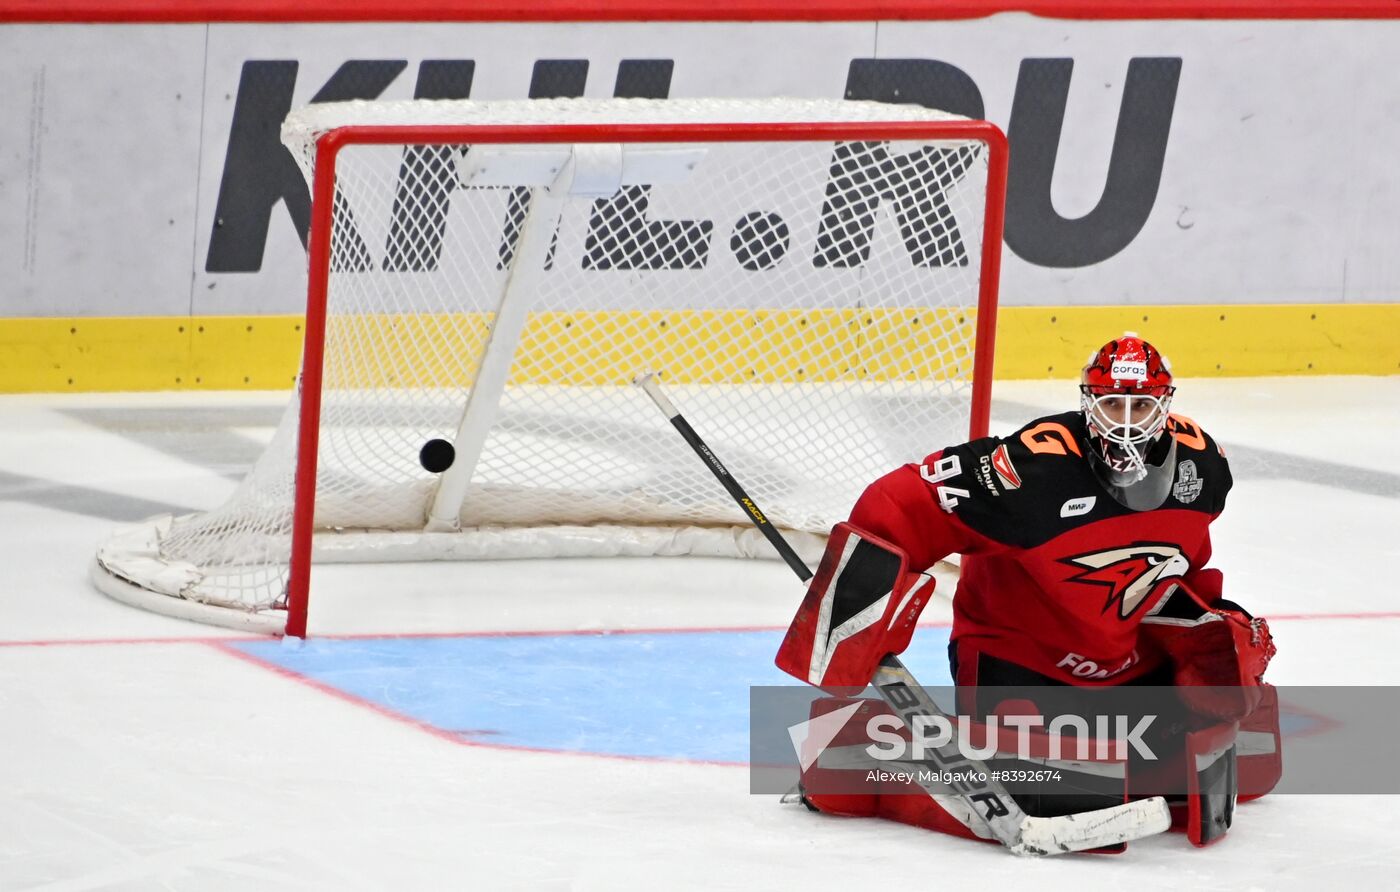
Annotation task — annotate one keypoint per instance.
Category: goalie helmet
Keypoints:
(1126, 392)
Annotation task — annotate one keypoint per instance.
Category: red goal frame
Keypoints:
(330, 143)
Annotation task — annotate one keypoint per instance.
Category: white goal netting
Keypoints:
(809, 302)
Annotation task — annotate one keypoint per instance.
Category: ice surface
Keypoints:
(143, 752)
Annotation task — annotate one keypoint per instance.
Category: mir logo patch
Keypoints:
(1076, 507)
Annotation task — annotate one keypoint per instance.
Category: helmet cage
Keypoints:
(1125, 423)
(1126, 392)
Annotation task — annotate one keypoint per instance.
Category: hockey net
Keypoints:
(806, 277)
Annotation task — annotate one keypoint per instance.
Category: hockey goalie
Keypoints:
(1084, 542)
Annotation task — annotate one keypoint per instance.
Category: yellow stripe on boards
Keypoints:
(722, 346)
(741, 346)
(149, 353)
(610, 348)
(1207, 341)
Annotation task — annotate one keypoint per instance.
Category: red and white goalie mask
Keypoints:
(1126, 392)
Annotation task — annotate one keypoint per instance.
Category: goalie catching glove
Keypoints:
(1218, 651)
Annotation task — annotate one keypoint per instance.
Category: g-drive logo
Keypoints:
(890, 740)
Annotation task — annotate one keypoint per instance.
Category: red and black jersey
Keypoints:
(1056, 575)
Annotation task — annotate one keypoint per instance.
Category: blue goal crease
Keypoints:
(669, 695)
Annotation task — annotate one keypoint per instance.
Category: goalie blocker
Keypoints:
(864, 603)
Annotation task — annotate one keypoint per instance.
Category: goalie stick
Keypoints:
(987, 797)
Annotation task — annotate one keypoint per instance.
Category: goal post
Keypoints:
(817, 279)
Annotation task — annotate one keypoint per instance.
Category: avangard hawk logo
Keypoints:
(1129, 573)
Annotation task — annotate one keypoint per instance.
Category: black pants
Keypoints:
(999, 681)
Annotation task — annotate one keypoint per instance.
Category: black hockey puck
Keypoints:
(436, 456)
